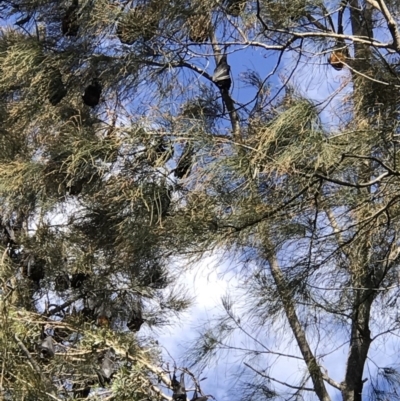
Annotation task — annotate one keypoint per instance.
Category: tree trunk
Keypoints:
(362, 284)
(290, 312)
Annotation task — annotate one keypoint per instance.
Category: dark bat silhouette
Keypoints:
(221, 76)
(185, 162)
(179, 391)
(92, 94)
(69, 23)
(108, 367)
(136, 319)
(174, 383)
(47, 348)
(57, 89)
(81, 391)
(78, 279)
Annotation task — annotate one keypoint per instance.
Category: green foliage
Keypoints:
(99, 198)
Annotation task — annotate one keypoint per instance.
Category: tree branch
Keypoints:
(317, 24)
(276, 380)
(298, 332)
(349, 184)
(392, 25)
(35, 366)
(332, 382)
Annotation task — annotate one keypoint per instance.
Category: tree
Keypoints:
(123, 148)
(313, 217)
(83, 202)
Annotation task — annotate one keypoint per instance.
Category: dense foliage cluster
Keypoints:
(137, 134)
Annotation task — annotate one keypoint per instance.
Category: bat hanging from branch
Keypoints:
(92, 94)
(179, 390)
(221, 76)
(337, 59)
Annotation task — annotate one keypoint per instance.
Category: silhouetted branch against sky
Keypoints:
(227, 168)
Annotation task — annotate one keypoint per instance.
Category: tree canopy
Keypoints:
(136, 134)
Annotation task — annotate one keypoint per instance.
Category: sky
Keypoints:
(207, 283)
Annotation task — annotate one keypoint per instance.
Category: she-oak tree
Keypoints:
(123, 149)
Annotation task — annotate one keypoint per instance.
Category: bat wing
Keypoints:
(221, 73)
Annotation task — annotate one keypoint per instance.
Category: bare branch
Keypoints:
(276, 380)
(28, 355)
(392, 25)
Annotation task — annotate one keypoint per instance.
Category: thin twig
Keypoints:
(28, 355)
